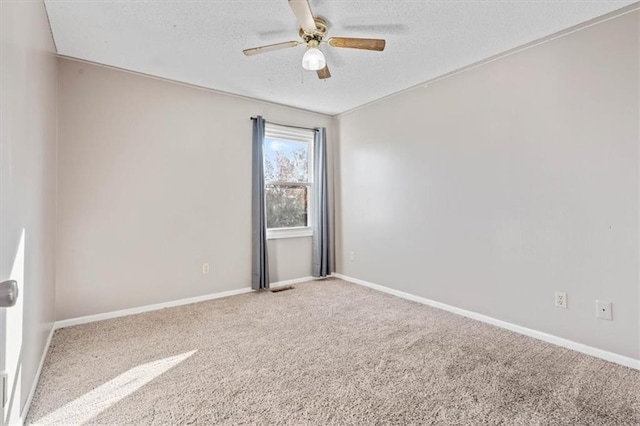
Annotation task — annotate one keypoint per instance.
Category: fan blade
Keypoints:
(324, 73)
(302, 10)
(270, 48)
(358, 43)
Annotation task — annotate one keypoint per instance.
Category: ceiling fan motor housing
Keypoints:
(318, 35)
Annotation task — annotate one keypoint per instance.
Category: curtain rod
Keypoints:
(287, 125)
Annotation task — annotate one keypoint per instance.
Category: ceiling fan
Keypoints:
(313, 31)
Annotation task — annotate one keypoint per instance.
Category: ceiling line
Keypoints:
(190, 85)
(562, 33)
(46, 12)
(595, 21)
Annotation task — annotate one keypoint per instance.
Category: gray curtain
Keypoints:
(260, 259)
(321, 263)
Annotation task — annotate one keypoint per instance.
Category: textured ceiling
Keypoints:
(201, 42)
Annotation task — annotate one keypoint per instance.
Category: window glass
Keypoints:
(287, 206)
(286, 161)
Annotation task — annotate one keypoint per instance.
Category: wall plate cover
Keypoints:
(603, 310)
(561, 299)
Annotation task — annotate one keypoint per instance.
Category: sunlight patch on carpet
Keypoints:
(104, 396)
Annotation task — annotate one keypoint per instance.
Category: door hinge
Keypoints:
(3, 389)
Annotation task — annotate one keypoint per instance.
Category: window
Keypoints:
(288, 175)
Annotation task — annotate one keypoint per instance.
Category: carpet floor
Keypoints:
(326, 352)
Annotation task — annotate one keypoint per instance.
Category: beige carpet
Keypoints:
(323, 353)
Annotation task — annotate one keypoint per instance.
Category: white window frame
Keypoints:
(286, 133)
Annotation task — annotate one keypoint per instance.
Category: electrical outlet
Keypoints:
(603, 310)
(352, 255)
(561, 299)
(205, 268)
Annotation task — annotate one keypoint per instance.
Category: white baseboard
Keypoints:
(549, 338)
(147, 308)
(171, 304)
(579, 347)
(34, 384)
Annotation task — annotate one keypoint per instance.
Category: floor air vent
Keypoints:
(277, 289)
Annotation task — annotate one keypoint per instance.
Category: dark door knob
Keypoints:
(8, 293)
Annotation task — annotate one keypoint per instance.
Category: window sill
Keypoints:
(275, 234)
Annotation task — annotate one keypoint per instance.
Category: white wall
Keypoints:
(28, 98)
(493, 188)
(154, 180)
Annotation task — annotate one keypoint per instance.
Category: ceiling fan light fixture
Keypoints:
(313, 59)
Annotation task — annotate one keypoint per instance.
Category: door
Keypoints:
(11, 316)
